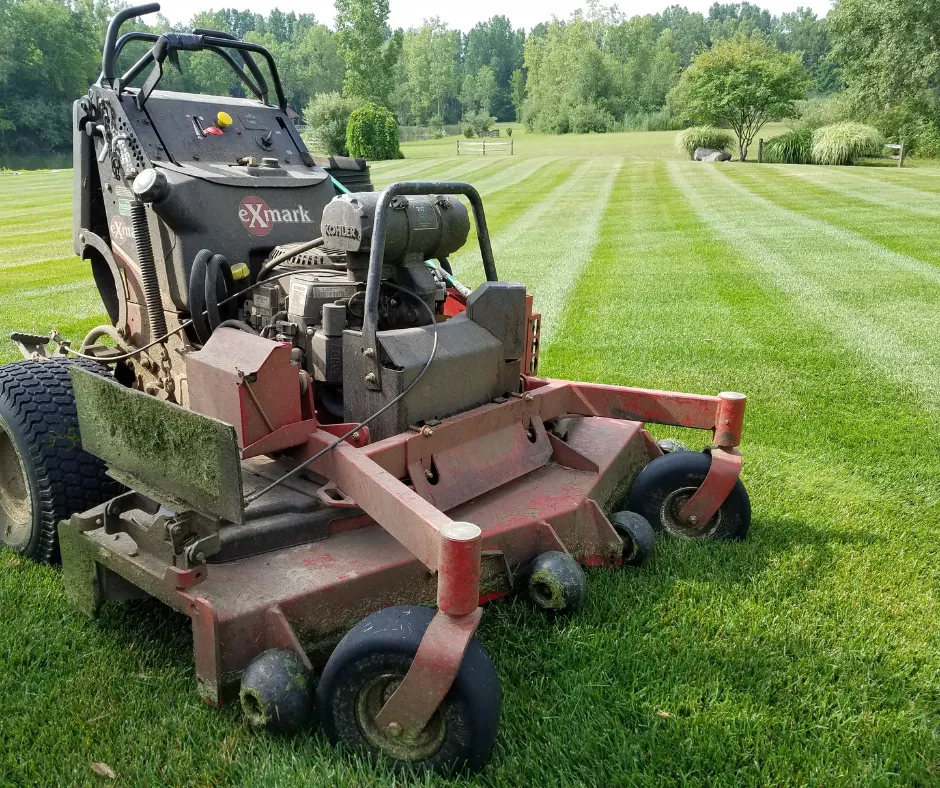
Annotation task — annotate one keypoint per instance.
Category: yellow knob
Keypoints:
(223, 120)
(240, 271)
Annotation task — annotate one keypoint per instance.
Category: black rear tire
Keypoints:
(664, 486)
(367, 666)
(45, 475)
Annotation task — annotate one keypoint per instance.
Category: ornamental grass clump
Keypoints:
(794, 147)
(845, 143)
(703, 137)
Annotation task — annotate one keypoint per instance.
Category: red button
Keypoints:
(214, 130)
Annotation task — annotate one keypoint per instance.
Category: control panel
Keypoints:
(184, 128)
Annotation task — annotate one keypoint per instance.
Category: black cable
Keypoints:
(241, 325)
(218, 265)
(294, 471)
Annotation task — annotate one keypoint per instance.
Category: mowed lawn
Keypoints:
(808, 655)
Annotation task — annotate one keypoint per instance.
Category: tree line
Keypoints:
(598, 70)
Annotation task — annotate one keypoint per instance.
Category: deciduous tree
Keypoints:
(369, 49)
(743, 83)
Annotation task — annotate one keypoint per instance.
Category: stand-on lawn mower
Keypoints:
(302, 431)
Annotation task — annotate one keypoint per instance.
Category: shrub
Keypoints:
(794, 147)
(925, 143)
(436, 127)
(814, 113)
(845, 143)
(589, 117)
(372, 133)
(509, 131)
(915, 125)
(477, 122)
(661, 120)
(326, 116)
(703, 137)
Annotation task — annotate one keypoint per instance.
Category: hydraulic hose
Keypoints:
(197, 295)
(148, 271)
(215, 294)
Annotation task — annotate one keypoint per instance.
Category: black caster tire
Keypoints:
(278, 692)
(557, 583)
(45, 476)
(639, 539)
(366, 668)
(664, 486)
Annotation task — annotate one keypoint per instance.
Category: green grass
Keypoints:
(807, 655)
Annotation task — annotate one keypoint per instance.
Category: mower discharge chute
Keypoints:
(319, 445)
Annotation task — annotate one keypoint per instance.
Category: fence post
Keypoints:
(511, 143)
(901, 155)
(760, 151)
(484, 146)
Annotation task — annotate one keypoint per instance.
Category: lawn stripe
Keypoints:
(466, 263)
(33, 254)
(512, 175)
(888, 195)
(535, 249)
(758, 240)
(449, 167)
(386, 174)
(503, 206)
(914, 236)
(781, 217)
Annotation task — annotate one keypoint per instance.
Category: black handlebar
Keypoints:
(245, 56)
(110, 40)
(200, 39)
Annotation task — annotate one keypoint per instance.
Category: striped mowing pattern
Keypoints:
(808, 654)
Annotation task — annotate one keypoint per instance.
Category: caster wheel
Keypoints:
(277, 692)
(670, 445)
(664, 487)
(639, 540)
(557, 584)
(367, 667)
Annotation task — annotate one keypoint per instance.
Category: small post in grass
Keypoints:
(760, 151)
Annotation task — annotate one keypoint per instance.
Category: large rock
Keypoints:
(710, 154)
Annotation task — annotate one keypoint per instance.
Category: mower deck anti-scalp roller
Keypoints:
(321, 447)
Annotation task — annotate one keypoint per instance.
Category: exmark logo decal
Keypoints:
(120, 230)
(258, 219)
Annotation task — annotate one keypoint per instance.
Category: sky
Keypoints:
(464, 14)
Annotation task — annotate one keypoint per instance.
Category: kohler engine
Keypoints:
(321, 310)
(323, 302)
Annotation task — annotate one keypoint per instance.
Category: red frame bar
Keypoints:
(371, 476)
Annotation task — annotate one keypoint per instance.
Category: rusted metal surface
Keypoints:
(246, 380)
(533, 322)
(526, 490)
(707, 499)
(730, 419)
(431, 673)
(458, 585)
